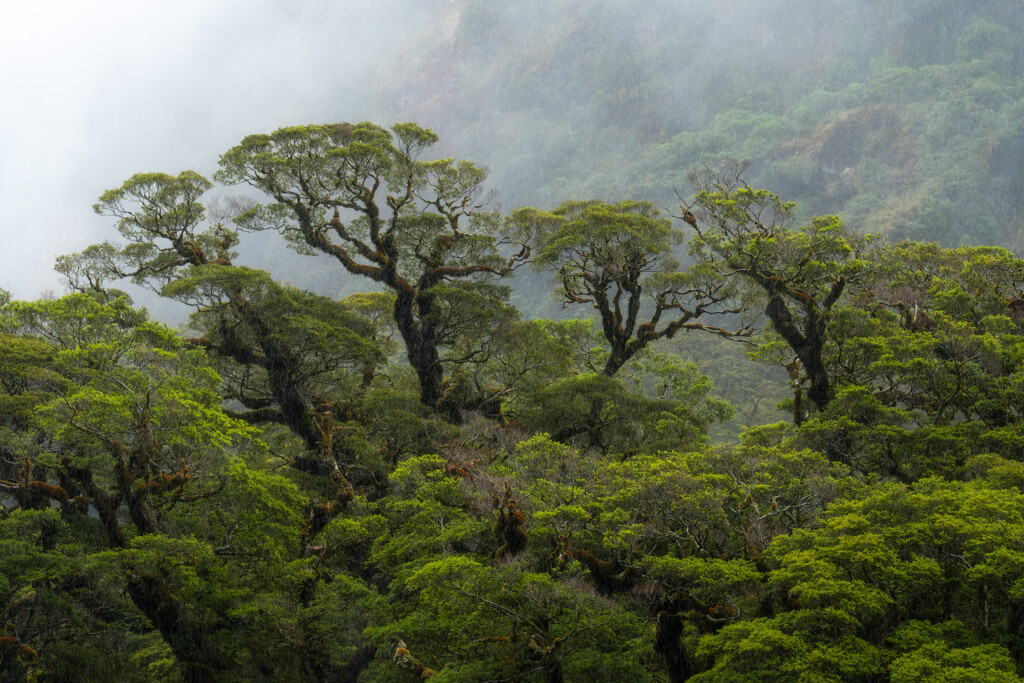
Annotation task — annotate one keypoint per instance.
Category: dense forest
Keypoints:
(739, 398)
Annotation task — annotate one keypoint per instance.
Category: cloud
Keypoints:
(95, 92)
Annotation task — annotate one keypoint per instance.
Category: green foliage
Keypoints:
(428, 516)
(480, 621)
(925, 359)
(578, 525)
(618, 258)
(328, 347)
(947, 652)
(881, 560)
(598, 411)
(430, 242)
(911, 146)
(735, 562)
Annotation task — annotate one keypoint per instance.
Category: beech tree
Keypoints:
(797, 273)
(127, 437)
(925, 359)
(618, 258)
(281, 350)
(913, 579)
(362, 195)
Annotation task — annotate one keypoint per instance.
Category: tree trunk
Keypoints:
(420, 337)
(668, 643)
(820, 391)
(199, 660)
(278, 365)
(807, 345)
(616, 359)
(553, 672)
(350, 671)
(295, 411)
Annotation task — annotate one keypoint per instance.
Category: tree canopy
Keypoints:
(276, 492)
(433, 228)
(619, 259)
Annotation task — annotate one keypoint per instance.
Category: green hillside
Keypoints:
(903, 118)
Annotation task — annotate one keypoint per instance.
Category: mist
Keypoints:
(695, 425)
(96, 92)
(558, 100)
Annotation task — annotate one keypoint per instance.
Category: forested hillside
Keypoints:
(717, 376)
(903, 118)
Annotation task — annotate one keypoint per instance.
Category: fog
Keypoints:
(95, 92)
(558, 99)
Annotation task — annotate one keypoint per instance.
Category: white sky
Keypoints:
(93, 91)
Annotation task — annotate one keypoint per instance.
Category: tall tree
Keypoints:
(326, 184)
(797, 273)
(618, 258)
(290, 344)
(925, 358)
(128, 436)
